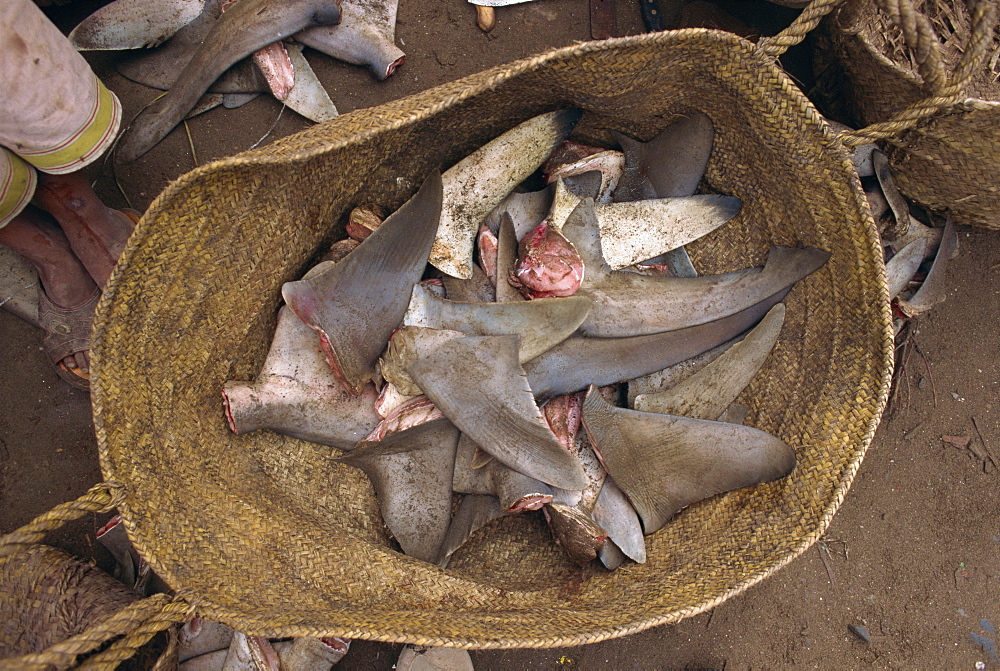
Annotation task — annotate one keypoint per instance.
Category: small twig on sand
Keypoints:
(905, 359)
(128, 201)
(90, 546)
(273, 126)
(986, 446)
(114, 174)
(11, 297)
(823, 551)
(711, 615)
(912, 432)
(194, 154)
(830, 542)
(903, 355)
(927, 367)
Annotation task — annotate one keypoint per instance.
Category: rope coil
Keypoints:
(804, 23)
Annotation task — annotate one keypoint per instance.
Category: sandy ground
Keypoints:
(913, 555)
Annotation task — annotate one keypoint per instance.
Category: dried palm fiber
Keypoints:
(46, 596)
(935, 64)
(265, 534)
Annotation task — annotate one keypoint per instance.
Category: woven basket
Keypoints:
(944, 70)
(46, 596)
(266, 534)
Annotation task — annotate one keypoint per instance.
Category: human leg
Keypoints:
(69, 292)
(96, 233)
(59, 128)
(56, 115)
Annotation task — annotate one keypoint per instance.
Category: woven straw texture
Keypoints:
(46, 596)
(264, 533)
(951, 160)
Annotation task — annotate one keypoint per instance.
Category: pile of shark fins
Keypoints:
(209, 646)
(916, 254)
(197, 51)
(206, 645)
(480, 341)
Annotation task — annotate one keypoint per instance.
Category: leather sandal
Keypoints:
(67, 331)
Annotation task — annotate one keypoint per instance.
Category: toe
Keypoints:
(83, 361)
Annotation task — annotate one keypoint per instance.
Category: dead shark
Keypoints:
(134, 24)
(629, 304)
(296, 394)
(477, 183)
(707, 393)
(477, 382)
(541, 323)
(640, 230)
(412, 474)
(617, 516)
(474, 512)
(669, 166)
(515, 491)
(579, 361)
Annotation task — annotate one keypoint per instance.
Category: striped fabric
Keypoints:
(17, 185)
(94, 136)
(55, 113)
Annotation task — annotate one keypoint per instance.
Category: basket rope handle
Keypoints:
(136, 623)
(943, 91)
(101, 498)
(804, 23)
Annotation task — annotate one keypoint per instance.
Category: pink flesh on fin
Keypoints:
(356, 231)
(488, 247)
(334, 363)
(563, 414)
(567, 153)
(417, 410)
(341, 645)
(274, 64)
(548, 264)
(395, 64)
(531, 502)
(277, 68)
(229, 412)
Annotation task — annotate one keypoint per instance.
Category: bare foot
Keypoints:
(67, 284)
(97, 234)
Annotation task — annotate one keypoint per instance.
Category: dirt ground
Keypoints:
(913, 555)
